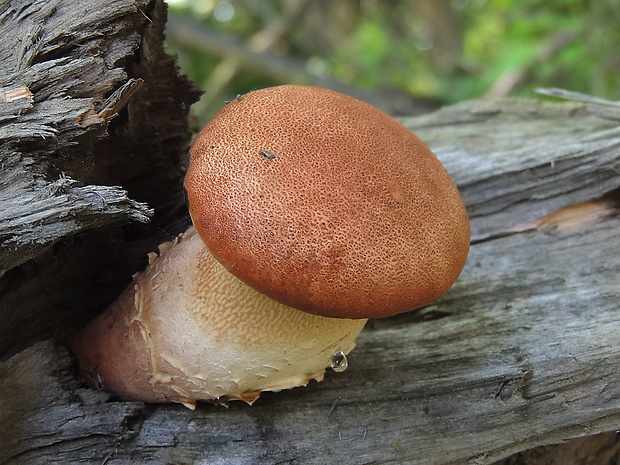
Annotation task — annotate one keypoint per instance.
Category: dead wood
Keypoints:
(522, 352)
(93, 128)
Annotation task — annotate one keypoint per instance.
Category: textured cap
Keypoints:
(326, 204)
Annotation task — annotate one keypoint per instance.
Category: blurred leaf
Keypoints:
(513, 46)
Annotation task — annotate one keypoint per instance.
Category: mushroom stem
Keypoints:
(188, 330)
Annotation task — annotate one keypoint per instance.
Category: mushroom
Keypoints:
(189, 330)
(313, 211)
(326, 204)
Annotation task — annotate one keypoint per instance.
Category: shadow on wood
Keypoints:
(77, 167)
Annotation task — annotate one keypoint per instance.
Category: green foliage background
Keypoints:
(436, 51)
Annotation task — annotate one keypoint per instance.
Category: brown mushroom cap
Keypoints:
(326, 204)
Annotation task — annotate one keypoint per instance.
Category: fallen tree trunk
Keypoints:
(93, 129)
(522, 352)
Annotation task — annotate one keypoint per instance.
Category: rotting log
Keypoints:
(522, 352)
(93, 131)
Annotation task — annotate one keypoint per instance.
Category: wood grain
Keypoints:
(77, 179)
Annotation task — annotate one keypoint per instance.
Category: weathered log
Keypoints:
(523, 351)
(93, 128)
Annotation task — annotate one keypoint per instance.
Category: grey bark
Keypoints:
(523, 351)
(84, 159)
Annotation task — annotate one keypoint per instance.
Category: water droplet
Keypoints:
(339, 362)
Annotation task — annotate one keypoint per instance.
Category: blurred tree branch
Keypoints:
(261, 42)
(184, 31)
(515, 77)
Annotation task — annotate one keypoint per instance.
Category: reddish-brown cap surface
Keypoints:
(326, 204)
